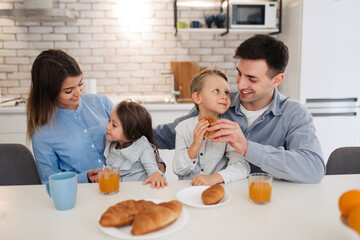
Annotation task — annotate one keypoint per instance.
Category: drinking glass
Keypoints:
(260, 185)
(109, 180)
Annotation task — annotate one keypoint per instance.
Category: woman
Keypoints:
(67, 128)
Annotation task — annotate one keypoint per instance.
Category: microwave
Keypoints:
(253, 15)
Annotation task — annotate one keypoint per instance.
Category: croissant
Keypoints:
(210, 119)
(156, 217)
(145, 216)
(123, 213)
(213, 194)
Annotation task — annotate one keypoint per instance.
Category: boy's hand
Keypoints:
(207, 180)
(199, 133)
(93, 175)
(156, 180)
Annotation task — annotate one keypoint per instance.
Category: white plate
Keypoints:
(192, 196)
(125, 232)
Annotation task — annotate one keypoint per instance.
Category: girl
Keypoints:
(130, 145)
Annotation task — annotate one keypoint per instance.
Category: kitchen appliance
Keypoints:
(323, 38)
(253, 14)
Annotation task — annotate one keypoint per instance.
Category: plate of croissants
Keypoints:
(204, 196)
(143, 219)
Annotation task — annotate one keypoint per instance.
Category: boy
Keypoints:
(196, 156)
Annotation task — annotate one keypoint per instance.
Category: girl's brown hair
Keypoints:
(198, 81)
(48, 73)
(136, 122)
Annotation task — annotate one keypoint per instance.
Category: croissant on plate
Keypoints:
(145, 216)
(213, 194)
(123, 213)
(156, 217)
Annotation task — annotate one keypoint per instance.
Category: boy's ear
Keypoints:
(196, 97)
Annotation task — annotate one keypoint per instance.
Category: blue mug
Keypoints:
(62, 188)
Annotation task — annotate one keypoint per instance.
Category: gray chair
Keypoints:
(17, 165)
(344, 160)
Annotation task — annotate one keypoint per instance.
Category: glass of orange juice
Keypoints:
(260, 185)
(109, 180)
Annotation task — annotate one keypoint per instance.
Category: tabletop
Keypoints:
(296, 211)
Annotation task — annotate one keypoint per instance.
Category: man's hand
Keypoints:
(231, 133)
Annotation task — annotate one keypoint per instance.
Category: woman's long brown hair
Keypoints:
(48, 72)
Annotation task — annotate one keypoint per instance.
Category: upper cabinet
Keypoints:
(224, 16)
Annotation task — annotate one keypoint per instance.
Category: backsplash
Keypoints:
(124, 46)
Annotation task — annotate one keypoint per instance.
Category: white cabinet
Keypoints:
(166, 113)
(13, 125)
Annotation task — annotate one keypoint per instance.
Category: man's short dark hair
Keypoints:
(262, 46)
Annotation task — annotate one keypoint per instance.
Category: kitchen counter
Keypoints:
(149, 106)
(13, 119)
(11, 110)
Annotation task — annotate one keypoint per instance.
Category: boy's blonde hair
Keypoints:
(198, 81)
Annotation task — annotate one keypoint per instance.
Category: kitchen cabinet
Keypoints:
(197, 10)
(13, 125)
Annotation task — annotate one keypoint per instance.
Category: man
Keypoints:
(275, 133)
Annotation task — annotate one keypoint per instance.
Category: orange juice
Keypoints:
(109, 182)
(260, 192)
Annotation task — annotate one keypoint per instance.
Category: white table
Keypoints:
(297, 211)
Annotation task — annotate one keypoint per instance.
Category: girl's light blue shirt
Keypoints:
(76, 139)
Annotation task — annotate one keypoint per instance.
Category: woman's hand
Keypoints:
(93, 175)
(207, 180)
(156, 180)
(230, 132)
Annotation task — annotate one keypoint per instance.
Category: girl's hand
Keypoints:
(199, 133)
(161, 167)
(207, 180)
(156, 180)
(93, 175)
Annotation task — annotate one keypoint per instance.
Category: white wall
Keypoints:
(124, 45)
